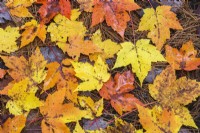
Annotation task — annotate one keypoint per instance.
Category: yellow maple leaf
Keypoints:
(20, 68)
(174, 93)
(93, 107)
(56, 114)
(159, 120)
(14, 125)
(8, 39)
(159, 22)
(19, 7)
(93, 77)
(140, 56)
(62, 27)
(32, 29)
(108, 47)
(22, 98)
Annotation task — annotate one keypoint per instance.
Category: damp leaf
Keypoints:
(185, 58)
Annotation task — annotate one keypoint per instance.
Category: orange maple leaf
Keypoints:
(51, 8)
(117, 90)
(184, 59)
(114, 12)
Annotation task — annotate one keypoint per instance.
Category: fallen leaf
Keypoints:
(173, 93)
(8, 39)
(19, 7)
(159, 120)
(184, 59)
(51, 8)
(108, 47)
(20, 68)
(140, 56)
(93, 77)
(78, 128)
(158, 22)
(32, 29)
(77, 45)
(21, 95)
(114, 12)
(14, 125)
(4, 15)
(56, 114)
(86, 5)
(2, 73)
(95, 108)
(117, 91)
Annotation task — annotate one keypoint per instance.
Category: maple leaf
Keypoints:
(114, 12)
(20, 68)
(2, 73)
(116, 90)
(159, 22)
(64, 78)
(108, 47)
(14, 125)
(93, 77)
(78, 45)
(86, 5)
(56, 114)
(139, 55)
(183, 59)
(94, 108)
(51, 8)
(159, 120)
(173, 93)
(21, 95)
(32, 29)
(8, 39)
(19, 7)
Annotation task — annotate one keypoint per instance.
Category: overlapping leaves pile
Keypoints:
(70, 79)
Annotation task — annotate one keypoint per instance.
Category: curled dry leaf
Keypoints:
(184, 59)
(117, 91)
(14, 125)
(32, 29)
(51, 8)
(158, 22)
(114, 12)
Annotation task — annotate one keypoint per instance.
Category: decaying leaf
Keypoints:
(2, 73)
(173, 93)
(20, 68)
(8, 39)
(56, 114)
(184, 59)
(95, 108)
(86, 5)
(22, 98)
(51, 8)
(117, 91)
(77, 45)
(158, 22)
(108, 47)
(14, 125)
(32, 29)
(114, 12)
(93, 77)
(4, 14)
(140, 56)
(19, 7)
